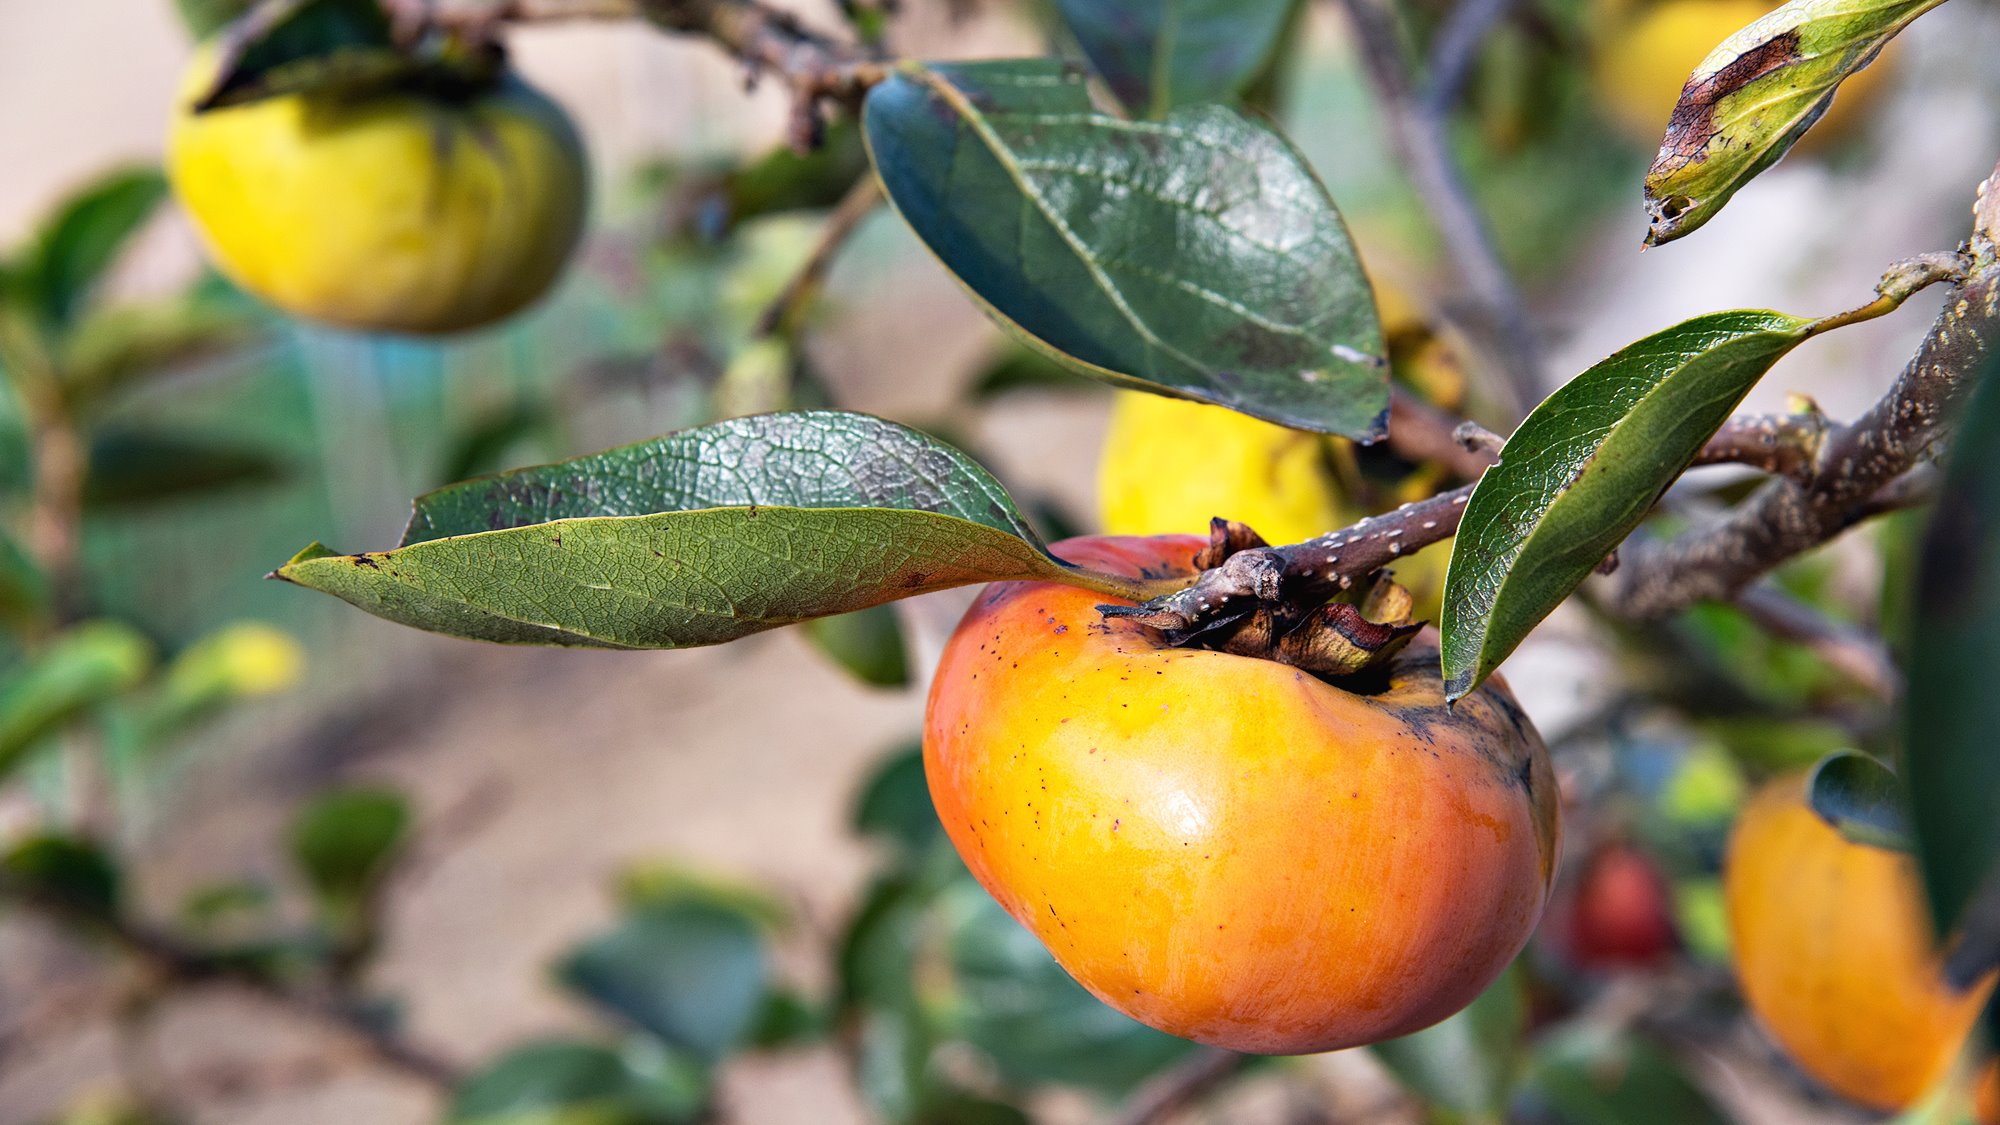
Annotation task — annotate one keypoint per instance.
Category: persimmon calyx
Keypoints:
(1359, 630)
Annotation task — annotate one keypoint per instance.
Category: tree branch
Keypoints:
(170, 960)
(1182, 1086)
(1856, 653)
(1495, 314)
(1455, 49)
(1852, 466)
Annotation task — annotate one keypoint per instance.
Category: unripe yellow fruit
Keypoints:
(1168, 465)
(389, 212)
(1649, 56)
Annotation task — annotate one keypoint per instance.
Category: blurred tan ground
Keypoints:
(538, 774)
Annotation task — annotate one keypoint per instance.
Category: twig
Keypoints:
(783, 314)
(1853, 465)
(1182, 1086)
(1856, 653)
(1455, 49)
(1498, 316)
(1421, 432)
(168, 959)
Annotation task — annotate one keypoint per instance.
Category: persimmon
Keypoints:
(1621, 913)
(403, 211)
(1228, 848)
(1835, 956)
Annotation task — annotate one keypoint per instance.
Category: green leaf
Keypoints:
(646, 885)
(566, 1082)
(1583, 470)
(135, 468)
(117, 346)
(64, 869)
(1951, 710)
(1024, 1012)
(1862, 798)
(344, 842)
(1590, 1077)
(692, 973)
(699, 537)
(1754, 96)
(1159, 54)
(299, 46)
(1195, 257)
(81, 668)
(79, 243)
(206, 17)
(1468, 1063)
(868, 643)
(24, 589)
(895, 804)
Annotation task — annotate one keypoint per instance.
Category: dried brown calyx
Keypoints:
(1354, 633)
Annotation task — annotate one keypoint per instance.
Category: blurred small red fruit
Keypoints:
(1621, 916)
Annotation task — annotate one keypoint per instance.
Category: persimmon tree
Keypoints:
(1132, 219)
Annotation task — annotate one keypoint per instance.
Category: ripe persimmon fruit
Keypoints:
(1228, 848)
(1835, 955)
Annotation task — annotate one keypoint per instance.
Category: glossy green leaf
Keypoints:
(83, 667)
(698, 537)
(1862, 798)
(1754, 96)
(867, 643)
(692, 973)
(344, 842)
(64, 869)
(1467, 1064)
(1583, 470)
(79, 243)
(1951, 711)
(1196, 257)
(135, 468)
(1029, 1016)
(1159, 54)
(1590, 1077)
(567, 1082)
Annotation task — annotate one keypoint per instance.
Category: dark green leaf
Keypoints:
(1468, 1063)
(787, 1019)
(788, 180)
(1952, 711)
(86, 235)
(895, 804)
(1196, 257)
(345, 841)
(206, 17)
(293, 46)
(134, 468)
(691, 973)
(565, 1082)
(1862, 798)
(1588, 1077)
(957, 1107)
(1159, 54)
(1754, 96)
(82, 668)
(868, 643)
(65, 870)
(1035, 1022)
(1023, 369)
(698, 537)
(1583, 470)
(483, 445)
